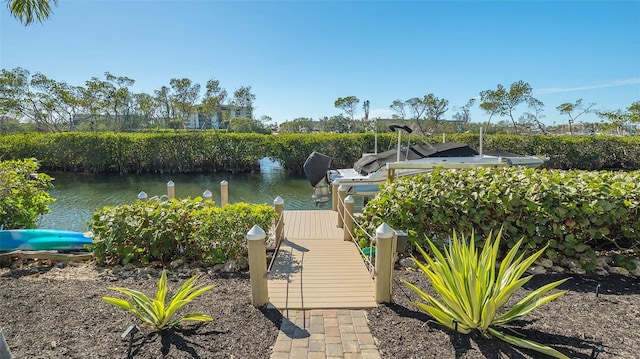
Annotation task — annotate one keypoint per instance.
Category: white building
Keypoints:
(199, 121)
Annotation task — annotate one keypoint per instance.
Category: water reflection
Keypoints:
(78, 195)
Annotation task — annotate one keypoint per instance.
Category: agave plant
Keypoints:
(471, 296)
(155, 312)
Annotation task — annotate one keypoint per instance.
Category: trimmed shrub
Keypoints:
(159, 232)
(575, 212)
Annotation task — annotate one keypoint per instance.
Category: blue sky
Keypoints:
(300, 56)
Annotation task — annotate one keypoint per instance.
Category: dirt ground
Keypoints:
(579, 324)
(49, 312)
(55, 311)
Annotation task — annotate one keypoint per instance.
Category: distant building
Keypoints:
(200, 121)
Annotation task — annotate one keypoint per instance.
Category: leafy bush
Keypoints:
(470, 294)
(148, 232)
(23, 195)
(155, 312)
(576, 212)
(220, 232)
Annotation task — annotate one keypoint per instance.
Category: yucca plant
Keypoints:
(155, 312)
(470, 295)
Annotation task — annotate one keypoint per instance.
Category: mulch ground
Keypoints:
(49, 311)
(580, 324)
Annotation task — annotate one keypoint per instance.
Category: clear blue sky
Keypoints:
(300, 56)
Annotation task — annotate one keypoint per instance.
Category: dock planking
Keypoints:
(316, 268)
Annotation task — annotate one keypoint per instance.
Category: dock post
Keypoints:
(384, 263)
(342, 194)
(334, 195)
(5, 353)
(171, 189)
(348, 218)
(258, 266)
(142, 196)
(224, 193)
(278, 205)
(207, 195)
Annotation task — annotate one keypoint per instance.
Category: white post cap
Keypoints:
(256, 233)
(207, 193)
(224, 182)
(170, 183)
(278, 200)
(348, 199)
(142, 195)
(384, 231)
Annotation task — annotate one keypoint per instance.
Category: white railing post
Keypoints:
(342, 194)
(224, 193)
(334, 195)
(348, 218)
(278, 205)
(142, 196)
(384, 263)
(258, 266)
(207, 195)
(171, 189)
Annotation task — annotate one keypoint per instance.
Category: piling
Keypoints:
(142, 196)
(334, 195)
(384, 263)
(342, 194)
(348, 217)
(258, 266)
(278, 205)
(171, 189)
(224, 193)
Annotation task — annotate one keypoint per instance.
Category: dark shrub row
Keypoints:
(188, 152)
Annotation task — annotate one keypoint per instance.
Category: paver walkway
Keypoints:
(325, 334)
(316, 282)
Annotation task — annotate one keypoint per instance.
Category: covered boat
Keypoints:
(373, 169)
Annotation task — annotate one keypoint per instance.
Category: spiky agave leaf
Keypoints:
(527, 344)
(470, 293)
(156, 312)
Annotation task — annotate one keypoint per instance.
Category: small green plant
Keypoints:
(470, 294)
(155, 312)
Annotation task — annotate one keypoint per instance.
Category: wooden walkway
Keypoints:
(316, 269)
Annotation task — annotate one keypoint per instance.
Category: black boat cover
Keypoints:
(316, 167)
(373, 162)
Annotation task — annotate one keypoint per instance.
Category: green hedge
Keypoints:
(158, 232)
(23, 193)
(182, 152)
(577, 212)
(209, 151)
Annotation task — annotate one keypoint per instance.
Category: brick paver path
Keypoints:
(325, 334)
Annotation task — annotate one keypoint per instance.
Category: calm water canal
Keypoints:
(78, 195)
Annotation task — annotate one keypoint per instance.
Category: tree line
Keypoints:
(427, 112)
(109, 104)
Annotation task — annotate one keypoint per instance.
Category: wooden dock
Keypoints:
(316, 268)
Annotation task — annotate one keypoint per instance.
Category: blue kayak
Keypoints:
(42, 240)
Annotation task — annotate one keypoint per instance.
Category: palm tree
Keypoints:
(26, 11)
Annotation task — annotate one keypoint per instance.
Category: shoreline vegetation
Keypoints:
(214, 151)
